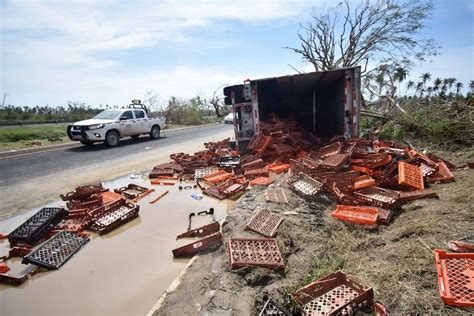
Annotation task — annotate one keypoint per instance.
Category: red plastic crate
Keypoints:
(335, 294)
(443, 174)
(356, 214)
(335, 162)
(265, 223)
(261, 181)
(410, 175)
(255, 252)
(455, 278)
(276, 195)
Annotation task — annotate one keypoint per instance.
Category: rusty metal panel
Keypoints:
(198, 246)
(34, 228)
(276, 195)
(255, 252)
(265, 223)
(54, 252)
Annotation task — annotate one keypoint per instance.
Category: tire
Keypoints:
(155, 132)
(87, 143)
(112, 138)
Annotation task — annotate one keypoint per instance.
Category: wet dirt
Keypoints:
(121, 273)
(397, 260)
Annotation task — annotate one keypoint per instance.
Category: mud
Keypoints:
(397, 261)
(120, 273)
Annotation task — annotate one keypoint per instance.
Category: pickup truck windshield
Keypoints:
(108, 115)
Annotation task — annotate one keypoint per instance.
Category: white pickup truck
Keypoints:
(111, 125)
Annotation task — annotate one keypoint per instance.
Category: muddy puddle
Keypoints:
(123, 272)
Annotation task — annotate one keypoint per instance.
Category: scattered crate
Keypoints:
(155, 173)
(410, 175)
(201, 231)
(216, 177)
(406, 196)
(54, 252)
(131, 191)
(257, 163)
(383, 216)
(279, 167)
(83, 192)
(304, 185)
(335, 294)
(276, 195)
(261, 181)
(229, 161)
(202, 172)
(362, 182)
(77, 205)
(443, 174)
(271, 308)
(123, 213)
(34, 228)
(455, 278)
(356, 214)
(326, 151)
(335, 162)
(265, 223)
(255, 252)
(193, 248)
(378, 197)
(259, 143)
(258, 172)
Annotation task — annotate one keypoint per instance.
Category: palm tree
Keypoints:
(400, 75)
(425, 77)
(410, 85)
(420, 88)
(459, 86)
(437, 84)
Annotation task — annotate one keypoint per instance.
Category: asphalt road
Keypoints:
(13, 170)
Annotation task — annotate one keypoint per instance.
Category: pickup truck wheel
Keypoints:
(112, 138)
(87, 142)
(155, 132)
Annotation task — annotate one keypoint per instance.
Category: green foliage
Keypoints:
(16, 134)
(73, 112)
(194, 111)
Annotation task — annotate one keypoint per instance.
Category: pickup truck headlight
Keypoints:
(96, 126)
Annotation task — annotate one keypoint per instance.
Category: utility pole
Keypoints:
(4, 97)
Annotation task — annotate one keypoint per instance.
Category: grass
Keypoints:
(23, 136)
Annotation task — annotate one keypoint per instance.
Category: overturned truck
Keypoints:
(324, 103)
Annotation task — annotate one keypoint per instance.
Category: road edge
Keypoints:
(39, 149)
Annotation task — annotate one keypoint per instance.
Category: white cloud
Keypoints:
(50, 49)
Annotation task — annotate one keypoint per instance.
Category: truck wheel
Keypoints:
(112, 138)
(155, 132)
(87, 142)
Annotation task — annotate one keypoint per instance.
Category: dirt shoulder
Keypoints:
(396, 260)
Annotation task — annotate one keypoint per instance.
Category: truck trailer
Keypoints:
(324, 103)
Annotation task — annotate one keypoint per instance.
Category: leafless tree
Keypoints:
(355, 32)
(216, 101)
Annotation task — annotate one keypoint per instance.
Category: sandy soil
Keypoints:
(37, 191)
(397, 260)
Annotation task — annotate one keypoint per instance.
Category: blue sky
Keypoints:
(111, 51)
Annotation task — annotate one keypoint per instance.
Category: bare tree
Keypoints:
(216, 101)
(354, 33)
